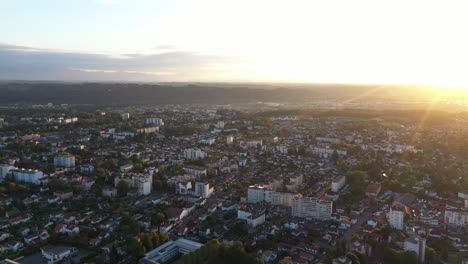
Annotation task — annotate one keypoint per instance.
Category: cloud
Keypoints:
(29, 63)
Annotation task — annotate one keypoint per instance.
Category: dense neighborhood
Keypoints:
(241, 183)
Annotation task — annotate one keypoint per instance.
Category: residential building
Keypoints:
(253, 215)
(338, 183)
(194, 153)
(203, 189)
(257, 193)
(183, 187)
(196, 171)
(229, 140)
(456, 217)
(396, 216)
(27, 176)
(170, 251)
(155, 120)
(143, 183)
(57, 254)
(5, 170)
(125, 116)
(64, 160)
(418, 245)
(310, 207)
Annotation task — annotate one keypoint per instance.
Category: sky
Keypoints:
(359, 41)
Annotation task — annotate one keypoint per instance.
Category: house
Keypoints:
(345, 224)
(3, 248)
(19, 219)
(269, 256)
(31, 238)
(342, 260)
(306, 256)
(373, 189)
(94, 241)
(23, 231)
(53, 199)
(176, 214)
(44, 235)
(73, 229)
(64, 194)
(14, 245)
(61, 228)
(372, 222)
(4, 236)
(182, 231)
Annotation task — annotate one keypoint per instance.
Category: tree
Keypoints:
(158, 220)
(354, 259)
(122, 188)
(56, 184)
(430, 255)
(135, 247)
(354, 237)
(147, 241)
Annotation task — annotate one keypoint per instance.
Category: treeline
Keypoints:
(215, 252)
(134, 93)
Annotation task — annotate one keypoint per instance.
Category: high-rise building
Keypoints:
(456, 217)
(64, 160)
(27, 176)
(338, 183)
(229, 140)
(203, 189)
(154, 120)
(257, 193)
(194, 153)
(310, 207)
(125, 116)
(396, 216)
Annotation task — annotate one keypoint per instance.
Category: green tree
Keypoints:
(135, 247)
(122, 188)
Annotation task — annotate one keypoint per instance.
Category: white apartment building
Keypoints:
(251, 143)
(125, 116)
(203, 189)
(310, 207)
(257, 194)
(280, 198)
(143, 183)
(148, 130)
(338, 183)
(252, 216)
(154, 120)
(64, 160)
(229, 140)
(4, 171)
(196, 171)
(418, 245)
(220, 125)
(27, 176)
(396, 217)
(209, 141)
(194, 153)
(456, 217)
